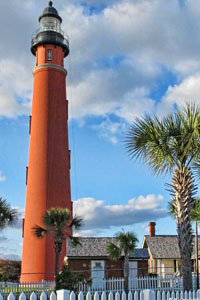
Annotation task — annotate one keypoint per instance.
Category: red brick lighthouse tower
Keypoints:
(48, 172)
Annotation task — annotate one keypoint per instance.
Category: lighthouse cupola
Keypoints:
(50, 31)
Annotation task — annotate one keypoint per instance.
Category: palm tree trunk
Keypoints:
(58, 249)
(196, 250)
(126, 274)
(183, 189)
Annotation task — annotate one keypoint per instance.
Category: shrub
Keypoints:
(10, 270)
(66, 279)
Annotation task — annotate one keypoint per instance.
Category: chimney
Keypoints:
(152, 228)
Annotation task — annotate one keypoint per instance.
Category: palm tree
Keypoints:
(8, 215)
(172, 145)
(57, 222)
(126, 243)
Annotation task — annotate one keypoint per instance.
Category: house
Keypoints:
(91, 259)
(164, 253)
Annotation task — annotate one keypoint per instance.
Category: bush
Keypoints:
(10, 270)
(66, 279)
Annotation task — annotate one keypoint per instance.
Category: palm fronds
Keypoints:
(59, 223)
(165, 144)
(8, 215)
(39, 231)
(76, 222)
(125, 244)
(75, 241)
(114, 252)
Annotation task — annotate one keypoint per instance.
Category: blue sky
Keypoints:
(128, 58)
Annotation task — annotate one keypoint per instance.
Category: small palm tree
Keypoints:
(172, 145)
(57, 222)
(126, 243)
(8, 215)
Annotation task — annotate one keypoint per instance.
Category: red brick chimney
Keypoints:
(152, 228)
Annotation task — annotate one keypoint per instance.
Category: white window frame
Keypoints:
(49, 54)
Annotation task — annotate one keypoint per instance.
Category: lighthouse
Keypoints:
(48, 171)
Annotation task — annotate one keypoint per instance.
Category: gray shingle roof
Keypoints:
(96, 247)
(166, 246)
(163, 246)
(140, 253)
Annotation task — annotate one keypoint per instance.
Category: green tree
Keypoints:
(126, 243)
(58, 223)
(8, 215)
(170, 145)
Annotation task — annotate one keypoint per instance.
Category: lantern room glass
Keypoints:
(50, 23)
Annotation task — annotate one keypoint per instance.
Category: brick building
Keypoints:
(91, 259)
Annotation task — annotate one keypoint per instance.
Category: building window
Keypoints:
(97, 273)
(26, 175)
(152, 266)
(23, 227)
(49, 55)
(175, 267)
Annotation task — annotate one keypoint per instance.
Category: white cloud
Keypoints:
(149, 40)
(15, 89)
(187, 91)
(3, 238)
(2, 177)
(110, 130)
(152, 37)
(117, 55)
(97, 216)
(20, 216)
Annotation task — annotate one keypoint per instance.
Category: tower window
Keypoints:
(49, 55)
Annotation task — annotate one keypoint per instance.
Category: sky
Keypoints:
(127, 58)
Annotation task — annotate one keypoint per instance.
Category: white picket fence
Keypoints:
(136, 283)
(17, 288)
(158, 283)
(108, 285)
(143, 295)
(33, 296)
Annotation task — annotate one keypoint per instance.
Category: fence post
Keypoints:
(62, 294)
(52, 296)
(11, 296)
(147, 295)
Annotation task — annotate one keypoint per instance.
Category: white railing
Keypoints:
(143, 295)
(40, 30)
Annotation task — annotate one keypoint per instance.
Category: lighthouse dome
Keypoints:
(50, 31)
(50, 11)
